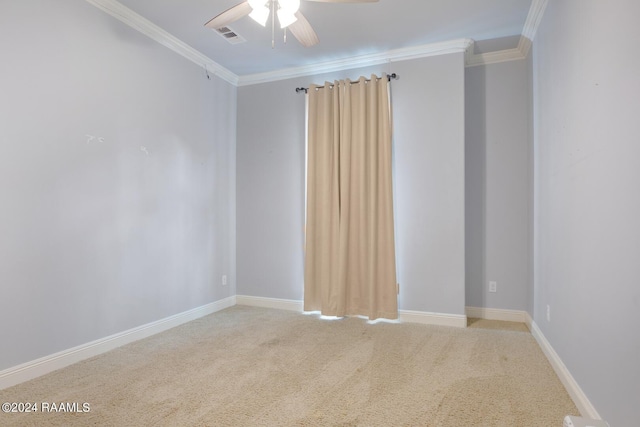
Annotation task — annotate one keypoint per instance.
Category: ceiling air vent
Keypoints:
(229, 35)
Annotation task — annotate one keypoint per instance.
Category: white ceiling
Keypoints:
(344, 30)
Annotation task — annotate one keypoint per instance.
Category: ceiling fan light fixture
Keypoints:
(260, 14)
(287, 12)
(291, 6)
(256, 4)
(286, 18)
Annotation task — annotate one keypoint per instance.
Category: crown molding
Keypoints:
(524, 45)
(536, 11)
(151, 30)
(146, 27)
(534, 17)
(474, 60)
(396, 55)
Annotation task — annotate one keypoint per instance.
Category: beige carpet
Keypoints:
(248, 366)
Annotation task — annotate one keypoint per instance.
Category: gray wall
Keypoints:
(270, 190)
(498, 185)
(98, 237)
(428, 103)
(587, 99)
(428, 113)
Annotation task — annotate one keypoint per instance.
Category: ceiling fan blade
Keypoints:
(302, 30)
(230, 15)
(345, 1)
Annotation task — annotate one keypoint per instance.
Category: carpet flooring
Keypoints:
(248, 366)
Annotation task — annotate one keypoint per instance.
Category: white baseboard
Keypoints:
(403, 315)
(497, 314)
(44, 365)
(528, 320)
(427, 318)
(577, 395)
(500, 314)
(280, 304)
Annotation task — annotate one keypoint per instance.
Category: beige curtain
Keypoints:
(350, 252)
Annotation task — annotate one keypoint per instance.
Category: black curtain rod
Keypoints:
(391, 76)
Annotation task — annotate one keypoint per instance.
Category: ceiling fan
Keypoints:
(289, 17)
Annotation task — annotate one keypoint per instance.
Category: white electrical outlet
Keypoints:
(224, 280)
(493, 286)
(548, 313)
